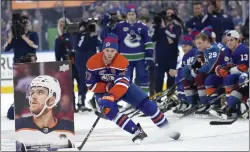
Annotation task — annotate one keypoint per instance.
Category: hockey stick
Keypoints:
(165, 92)
(91, 130)
(187, 113)
(235, 119)
(227, 122)
(158, 96)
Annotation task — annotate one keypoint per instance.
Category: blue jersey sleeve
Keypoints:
(211, 58)
(242, 56)
(94, 82)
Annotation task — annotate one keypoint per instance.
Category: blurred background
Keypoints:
(45, 14)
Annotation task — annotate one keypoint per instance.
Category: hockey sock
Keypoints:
(234, 100)
(124, 122)
(190, 95)
(203, 96)
(211, 92)
(149, 108)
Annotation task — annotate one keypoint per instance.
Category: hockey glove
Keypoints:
(110, 106)
(149, 63)
(221, 71)
(243, 80)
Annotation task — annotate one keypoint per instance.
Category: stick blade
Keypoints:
(68, 149)
(221, 122)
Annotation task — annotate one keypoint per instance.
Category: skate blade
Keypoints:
(215, 114)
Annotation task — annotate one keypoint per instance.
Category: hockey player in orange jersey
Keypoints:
(107, 77)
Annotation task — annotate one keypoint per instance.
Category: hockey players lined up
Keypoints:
(190, 51)
(236, 58)
(208, 56)
(136, 45)
(107, 77)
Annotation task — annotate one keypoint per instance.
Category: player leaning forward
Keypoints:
(107, 77)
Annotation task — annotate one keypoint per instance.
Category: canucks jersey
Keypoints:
(134, 40)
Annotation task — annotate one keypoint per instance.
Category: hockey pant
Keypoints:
(139, 99)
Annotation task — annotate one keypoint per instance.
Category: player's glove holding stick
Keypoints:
(223, 70)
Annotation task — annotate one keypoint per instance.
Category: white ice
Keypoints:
(196, 134)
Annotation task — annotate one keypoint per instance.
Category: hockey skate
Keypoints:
(224, 113)
(139, 135)
(83, 109)
(180, 108)
(202, 110)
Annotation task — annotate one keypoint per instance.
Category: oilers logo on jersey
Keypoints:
(107, 77)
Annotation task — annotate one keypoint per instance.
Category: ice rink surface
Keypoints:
(196, 134)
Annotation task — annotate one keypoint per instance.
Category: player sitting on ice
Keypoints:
(107, 77)
(186, 42)
(236, 61)
(205, 61)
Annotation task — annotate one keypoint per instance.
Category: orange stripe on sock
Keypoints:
(228, 90)
(158, 118)
(122, 120)
(210, 91)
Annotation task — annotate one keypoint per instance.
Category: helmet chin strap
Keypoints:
(44, 107)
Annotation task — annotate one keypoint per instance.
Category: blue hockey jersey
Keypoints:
(188, 58)
(213, 57)
(239, 57)
(134, 40)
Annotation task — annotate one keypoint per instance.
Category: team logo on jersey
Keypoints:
(107, 77)
(125, 29)
(132, 40)
(139, 30)
(102, 72)
(45, 130)
(226, 58)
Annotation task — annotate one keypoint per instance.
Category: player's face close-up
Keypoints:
(38, 97)
(200, 44)
(231, 42)
(186, 48)
(109, 54)
(131, 16)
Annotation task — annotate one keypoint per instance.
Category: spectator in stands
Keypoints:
(217, 19)
(196, 20)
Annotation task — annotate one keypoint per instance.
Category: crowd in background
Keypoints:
(41, 19)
